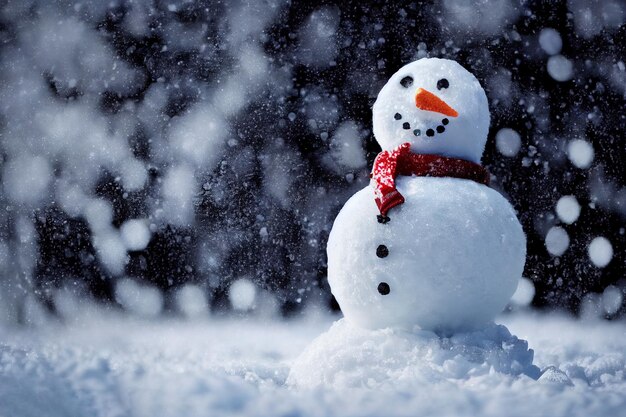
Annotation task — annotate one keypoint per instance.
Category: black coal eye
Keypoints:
(383, 288)
(406, 82)
(442, 83)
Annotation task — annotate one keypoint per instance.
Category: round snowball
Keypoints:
(134, 174)
(612, 299)
(568, 209)
(557, 241)
(26, 179)
(141, 299)
(580, 153)
(191, 301)
(560, 68)
(524, 293)
(550, 41)
(600, 251)
(135, 234)
(454, 254)
(508, 142)
(242, 294)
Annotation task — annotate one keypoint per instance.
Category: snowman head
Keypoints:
(437, 106)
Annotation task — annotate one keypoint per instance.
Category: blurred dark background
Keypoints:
(156, 152)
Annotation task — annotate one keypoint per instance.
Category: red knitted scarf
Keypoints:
(400, 161)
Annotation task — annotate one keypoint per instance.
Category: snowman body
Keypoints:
(449, 258)
(453, 252)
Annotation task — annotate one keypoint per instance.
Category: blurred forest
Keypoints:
(175, 156)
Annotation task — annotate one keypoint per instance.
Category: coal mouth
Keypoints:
(430, 132)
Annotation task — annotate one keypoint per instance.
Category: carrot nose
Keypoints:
(425, 100)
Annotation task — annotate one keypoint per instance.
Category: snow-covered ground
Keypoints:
(108, 366)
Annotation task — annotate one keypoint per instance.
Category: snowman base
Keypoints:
(347, 356)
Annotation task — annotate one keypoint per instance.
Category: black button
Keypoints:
(382, 219)
(383, 288)
(382, 251)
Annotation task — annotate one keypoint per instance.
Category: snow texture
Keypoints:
(455, 253)
(104, 366)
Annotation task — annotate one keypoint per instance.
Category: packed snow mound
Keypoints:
(347, 356)
(450, 257)
(120, 367)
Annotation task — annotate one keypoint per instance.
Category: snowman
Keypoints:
(427, 246)
(428, 243)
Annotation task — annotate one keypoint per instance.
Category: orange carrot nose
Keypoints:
(425, 100)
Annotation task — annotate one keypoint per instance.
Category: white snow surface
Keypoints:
(107, 366)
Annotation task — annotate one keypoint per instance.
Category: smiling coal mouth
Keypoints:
(430, 132)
